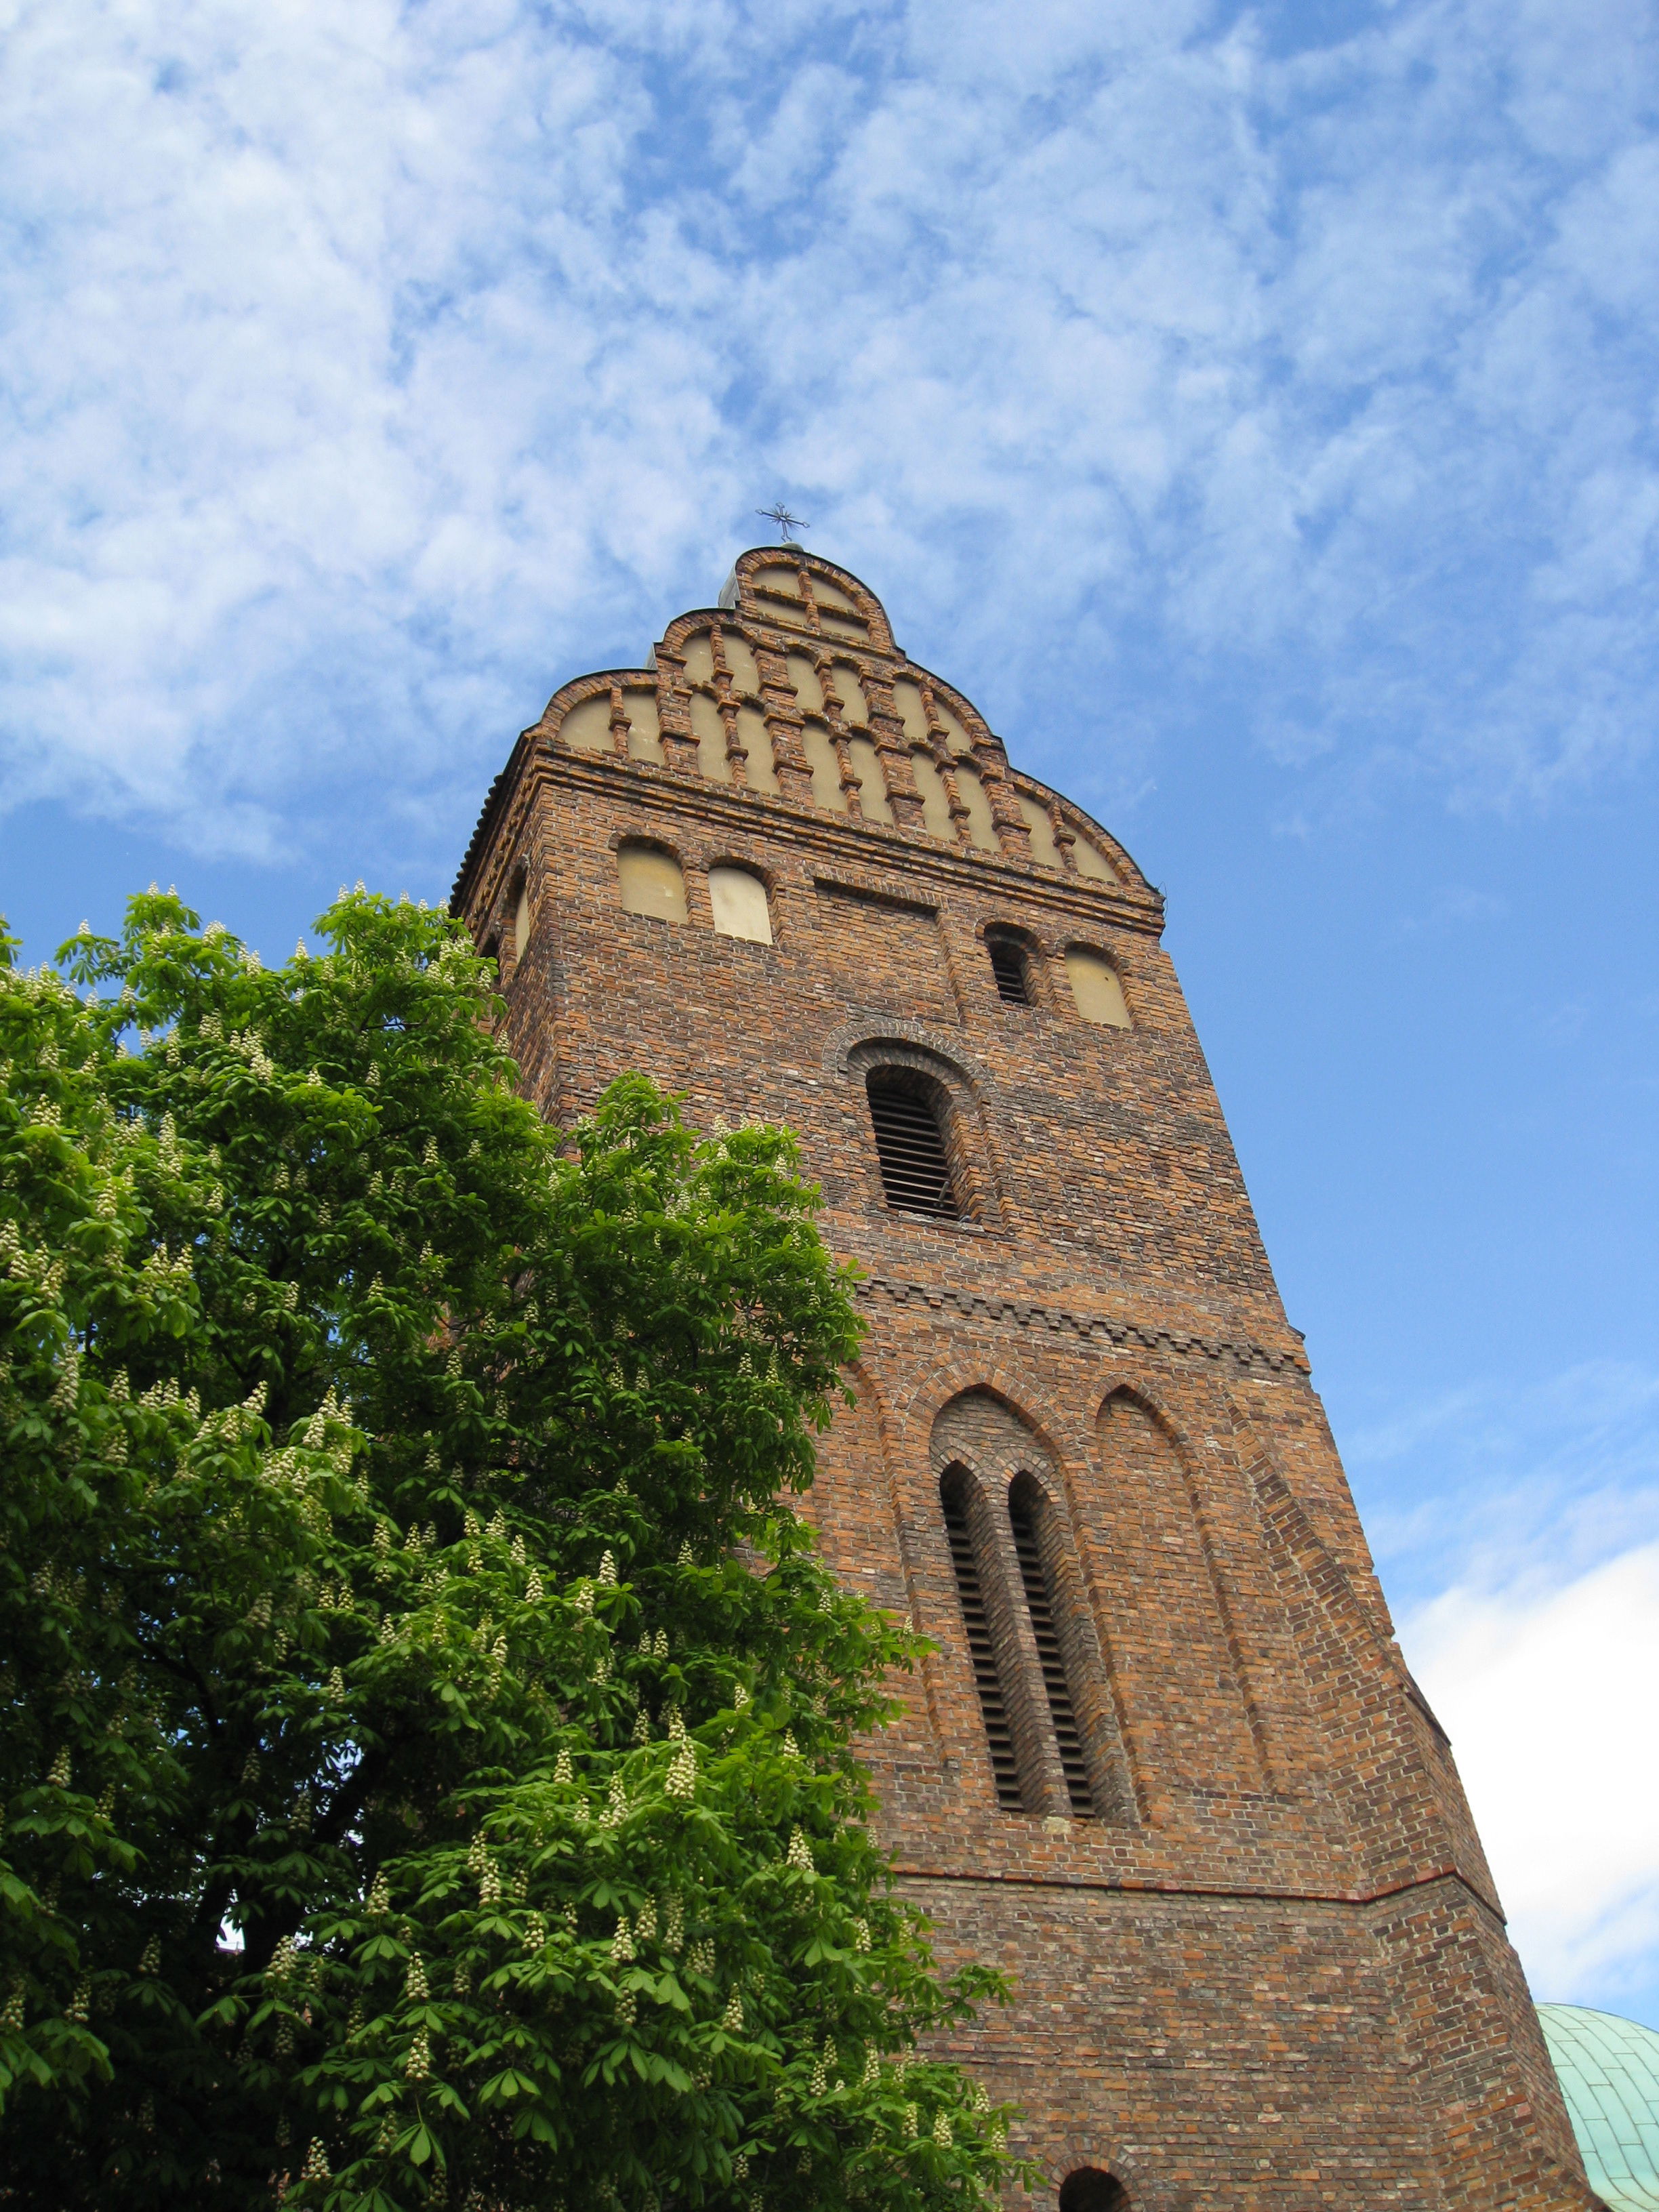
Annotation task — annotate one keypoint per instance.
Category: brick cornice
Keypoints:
(861, 847)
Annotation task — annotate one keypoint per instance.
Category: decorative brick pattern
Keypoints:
(1271, 1971)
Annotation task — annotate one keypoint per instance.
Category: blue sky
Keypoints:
(1253, 409)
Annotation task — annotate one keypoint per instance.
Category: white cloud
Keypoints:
(367, 376)
(1549, 1695)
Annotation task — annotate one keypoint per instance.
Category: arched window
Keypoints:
(905, 1116)
(1088, 2190)
(1094, 988)
(982, 1649)
(651, 882)
(739, 903)
(1010, 969)
(1027, 1507)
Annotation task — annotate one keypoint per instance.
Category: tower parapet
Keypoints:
(1164, 1764)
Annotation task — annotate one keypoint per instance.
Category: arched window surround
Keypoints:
(988, 1451)
(1033, 958)
(975, 1170)
(1207, 1587)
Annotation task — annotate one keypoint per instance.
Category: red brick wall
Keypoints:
(1271, 1970)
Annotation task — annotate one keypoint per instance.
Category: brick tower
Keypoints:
(1167, 1766)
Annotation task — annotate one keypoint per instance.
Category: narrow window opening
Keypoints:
(915, 1170)
(994, 1706)
(1039, 1599)
(1008, 966)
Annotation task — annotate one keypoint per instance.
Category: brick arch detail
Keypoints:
(889, 1439)
(1119, 1796)
(842, 1042)
(1156, 1405)
(1032, 1403)
(1148, 2191)
(906, 1044)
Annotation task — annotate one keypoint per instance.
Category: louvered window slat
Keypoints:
(1008, 967)
(1051, 1657)
(987, 1680)
(915, 1172)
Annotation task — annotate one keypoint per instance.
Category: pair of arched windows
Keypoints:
(652, 882)
(1032, 1660)
(1095, 990)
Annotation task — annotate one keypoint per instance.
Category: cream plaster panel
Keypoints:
(1095, 987)
(808, 690)
(650, 882)
(981, 828)
(1044, 851)
(955, 736)
(740, 905)
(757, 750)
(522, 920)
(779, 580)
(741, 662)
(826, 769)
(1091, 863)
(644, 732)
(872, 788)
(699, 659)
(854, 711)
(586, 727)
(853, 627)
(709, 731)
(935, 803)
(911, 713)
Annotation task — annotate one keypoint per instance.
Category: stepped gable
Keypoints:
(800, 654)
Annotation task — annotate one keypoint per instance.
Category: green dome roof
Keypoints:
(1609, 2071)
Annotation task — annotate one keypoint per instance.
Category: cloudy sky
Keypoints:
(1252, 408)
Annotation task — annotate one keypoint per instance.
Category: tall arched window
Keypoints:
(1027, 1507)
(981, 1648)
(906, 1113)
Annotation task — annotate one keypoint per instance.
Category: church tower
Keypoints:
(1166, 1765)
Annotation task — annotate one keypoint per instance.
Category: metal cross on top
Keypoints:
(787, 524)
